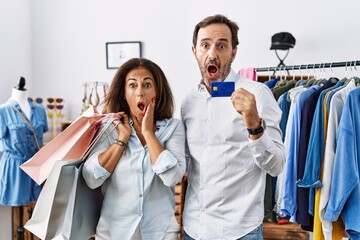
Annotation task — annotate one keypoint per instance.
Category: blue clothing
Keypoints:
(307, 115)
(345, 184)
(271, 83)
(256, 234)
(284, 104)
(139, 194)
(290, 194)
(19, 145)
(316, 146)
(331, 94)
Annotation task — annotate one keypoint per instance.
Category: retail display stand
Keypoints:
(54, 109)
(97, 91)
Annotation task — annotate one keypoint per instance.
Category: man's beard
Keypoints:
(223, 73)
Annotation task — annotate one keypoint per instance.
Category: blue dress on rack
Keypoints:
(19, 145)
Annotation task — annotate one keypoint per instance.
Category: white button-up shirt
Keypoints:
(227, 170)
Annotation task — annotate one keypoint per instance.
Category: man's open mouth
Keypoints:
(212, 69)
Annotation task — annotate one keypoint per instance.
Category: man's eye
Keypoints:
(222, 46)
(204, 46)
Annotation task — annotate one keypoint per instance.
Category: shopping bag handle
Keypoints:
(107, 121)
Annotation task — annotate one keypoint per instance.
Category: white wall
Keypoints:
(15, 45)
(58, 45)
(68, 38)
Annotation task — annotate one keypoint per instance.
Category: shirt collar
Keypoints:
(159, 123)
(17, 105)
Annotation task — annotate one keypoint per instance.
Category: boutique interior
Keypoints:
(63, 56)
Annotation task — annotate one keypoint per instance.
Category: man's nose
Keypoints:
(212, 53)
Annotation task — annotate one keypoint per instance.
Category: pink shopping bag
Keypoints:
(69, 144)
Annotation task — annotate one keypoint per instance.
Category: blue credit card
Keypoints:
(222, 89)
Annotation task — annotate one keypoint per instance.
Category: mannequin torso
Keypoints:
(21, 97)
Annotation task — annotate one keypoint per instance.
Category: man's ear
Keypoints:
(234, 51)
(194, 51)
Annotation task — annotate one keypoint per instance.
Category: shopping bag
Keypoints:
(69, 144)
(66, 205)
(67, 208)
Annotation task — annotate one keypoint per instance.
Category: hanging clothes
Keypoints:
(313, 161)
(292, 145)
(335, 103)
(248, 73)
(286, 104)
(345, 187)
(19, 145)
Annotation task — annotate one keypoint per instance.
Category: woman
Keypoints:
(142, 159)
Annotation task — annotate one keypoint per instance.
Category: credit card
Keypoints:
(222, 89)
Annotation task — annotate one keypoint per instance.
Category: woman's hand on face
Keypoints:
(148, 120)
(123, 127)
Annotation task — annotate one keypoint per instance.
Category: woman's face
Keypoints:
(140, 89)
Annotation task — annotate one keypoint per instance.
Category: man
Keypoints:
(229, 148)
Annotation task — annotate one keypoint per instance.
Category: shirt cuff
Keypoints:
(164, 162)
(99, 171)
(261, 144)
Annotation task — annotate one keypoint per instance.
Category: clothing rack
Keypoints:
(310, 66)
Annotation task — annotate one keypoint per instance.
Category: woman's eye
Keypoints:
(147, 85)
(131, 85)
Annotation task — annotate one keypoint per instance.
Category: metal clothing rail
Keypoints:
(310, 66)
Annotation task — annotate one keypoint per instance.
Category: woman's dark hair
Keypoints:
(115, 99)
(214, 20)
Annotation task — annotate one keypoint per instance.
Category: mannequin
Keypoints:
(19, 94)
(22, 125)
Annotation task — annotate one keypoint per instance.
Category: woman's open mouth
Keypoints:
(141, 106)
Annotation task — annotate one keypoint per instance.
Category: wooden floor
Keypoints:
(273, 231)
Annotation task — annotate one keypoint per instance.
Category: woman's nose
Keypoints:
(140, 92)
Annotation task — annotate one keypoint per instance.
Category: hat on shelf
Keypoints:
(282, 41)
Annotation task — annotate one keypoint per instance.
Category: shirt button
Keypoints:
(140, 195)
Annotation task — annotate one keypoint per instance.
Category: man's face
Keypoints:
(214, 53)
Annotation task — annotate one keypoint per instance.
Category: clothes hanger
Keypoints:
(321, 79)
(293, 78)
(356, 78)
(345, 79)
(309, 81)
(301, 81)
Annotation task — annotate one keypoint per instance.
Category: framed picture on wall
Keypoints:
(119, 52)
